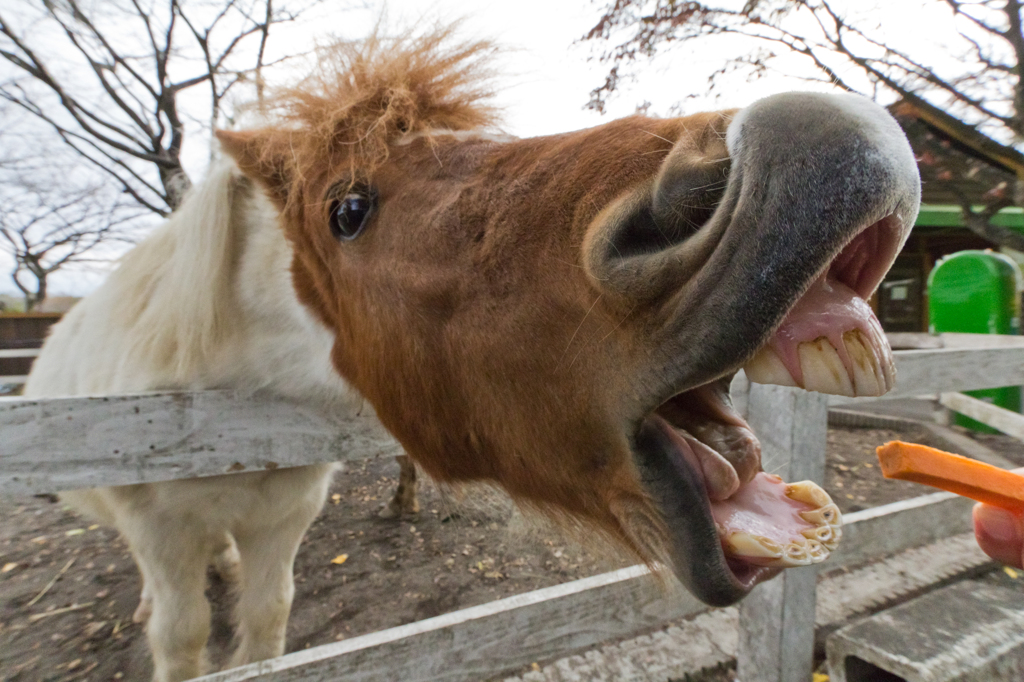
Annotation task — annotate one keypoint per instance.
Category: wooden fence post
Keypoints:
(776, 639)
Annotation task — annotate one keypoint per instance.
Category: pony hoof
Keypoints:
(394, 510)
(389, 511)
(143, 611)
(228, 565)
(227, 562)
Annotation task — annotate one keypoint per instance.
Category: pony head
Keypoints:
(562, 315)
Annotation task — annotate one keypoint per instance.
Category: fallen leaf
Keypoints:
(494, 575)
(94, 526)
(336, 498)
(819, 677)
(8, 567)
(74, 531)
(1010, 572)
(340, 559)
(92, 629)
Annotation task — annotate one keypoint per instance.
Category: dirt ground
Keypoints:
(68, 587)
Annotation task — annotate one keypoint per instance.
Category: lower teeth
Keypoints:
(792, 546)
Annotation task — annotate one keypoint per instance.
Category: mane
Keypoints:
(177, 284)
(364, 96)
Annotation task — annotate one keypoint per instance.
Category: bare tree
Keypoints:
(974, 94)
(47, 228)
(109, 78)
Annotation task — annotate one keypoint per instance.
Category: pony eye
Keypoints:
(350, 215)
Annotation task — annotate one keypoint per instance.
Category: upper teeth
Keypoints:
(870, 371)
(823, 369)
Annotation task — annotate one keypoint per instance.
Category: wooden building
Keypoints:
(958, 167)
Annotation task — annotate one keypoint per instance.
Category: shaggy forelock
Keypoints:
(363, 96)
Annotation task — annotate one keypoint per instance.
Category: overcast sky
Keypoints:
(547, 76)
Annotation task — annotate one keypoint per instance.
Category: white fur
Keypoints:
(206, 301)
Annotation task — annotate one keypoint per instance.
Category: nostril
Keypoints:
(640, 232)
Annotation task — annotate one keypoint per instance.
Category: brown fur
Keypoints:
(474, 244)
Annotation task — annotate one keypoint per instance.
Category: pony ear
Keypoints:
(263, 157)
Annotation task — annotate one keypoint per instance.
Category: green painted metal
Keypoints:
(977, 292)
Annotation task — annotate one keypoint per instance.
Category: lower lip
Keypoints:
(746, 574)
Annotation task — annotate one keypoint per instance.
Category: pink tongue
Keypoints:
(829, 309)
(762, 508)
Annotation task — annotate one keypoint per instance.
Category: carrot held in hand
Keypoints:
(960, 475)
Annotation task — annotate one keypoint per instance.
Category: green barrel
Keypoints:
(977, 292)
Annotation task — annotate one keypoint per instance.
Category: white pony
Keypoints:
(204, 302)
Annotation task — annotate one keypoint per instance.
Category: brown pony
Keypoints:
(562, 315)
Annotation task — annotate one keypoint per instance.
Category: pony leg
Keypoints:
(145, 607)
(173, 566)
(404, 502)
(226, 560)
(267, 587)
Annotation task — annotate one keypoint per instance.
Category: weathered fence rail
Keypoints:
(483, 641)
(63, 443)
(54, 444)
(16, 354)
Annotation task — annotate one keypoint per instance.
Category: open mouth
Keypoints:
(831, 341)
(733, 525)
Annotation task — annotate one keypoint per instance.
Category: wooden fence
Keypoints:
(21, 336)
(15, 364)
(64, 443)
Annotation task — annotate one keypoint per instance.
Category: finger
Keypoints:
(1000, 534)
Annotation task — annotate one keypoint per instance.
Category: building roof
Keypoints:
(958, 164)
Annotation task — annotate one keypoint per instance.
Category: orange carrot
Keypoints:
(960, 475)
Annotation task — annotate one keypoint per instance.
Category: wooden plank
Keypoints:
(45, 462)
(880, 531)
(58, 444)
(961, 340)
(939, 371)
(921, 340)
(482, 641)
(999, 418)
(776, 638)
(556, 621)
(913, 340)
(19, 352)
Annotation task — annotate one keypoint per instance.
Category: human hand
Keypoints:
(1000, 533)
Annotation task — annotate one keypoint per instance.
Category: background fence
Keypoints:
(21, 335)
(63, 443)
